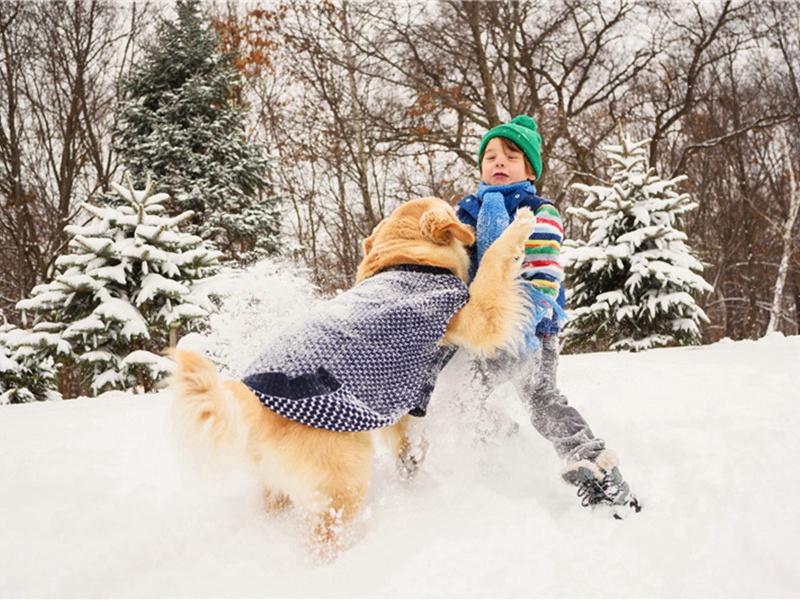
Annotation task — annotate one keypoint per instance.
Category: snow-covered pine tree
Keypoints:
(633, 283)
(182, 126)
(130, 280)
(27, 373)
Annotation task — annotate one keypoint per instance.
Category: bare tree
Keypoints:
(58, 67)
(461, 67)
(372, 102)
(787, 231)
(699, 41)
(316, 111)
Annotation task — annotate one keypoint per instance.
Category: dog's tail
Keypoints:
(206, 418)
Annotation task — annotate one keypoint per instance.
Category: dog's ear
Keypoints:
(367, 243)
(440, 226)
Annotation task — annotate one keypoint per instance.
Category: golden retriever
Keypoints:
(323, 472)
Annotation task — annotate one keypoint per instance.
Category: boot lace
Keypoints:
(611, 489)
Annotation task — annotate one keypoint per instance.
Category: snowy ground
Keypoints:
(93, 504)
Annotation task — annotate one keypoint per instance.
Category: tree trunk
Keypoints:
(788, 242)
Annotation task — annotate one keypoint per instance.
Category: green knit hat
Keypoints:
(522, 131)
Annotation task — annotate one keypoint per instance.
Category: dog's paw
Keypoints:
(525, 217)
(520, 228)
(275, 502)
(411, 457)
(408, 465)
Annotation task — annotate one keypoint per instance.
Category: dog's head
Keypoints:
(424, 231)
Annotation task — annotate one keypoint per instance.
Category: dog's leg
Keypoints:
(497, 311)
(330, 522)
(344, 462)
(410, 453)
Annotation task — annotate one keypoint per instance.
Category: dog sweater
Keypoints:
(366, 358)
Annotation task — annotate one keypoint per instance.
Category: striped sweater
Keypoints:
(542, 264)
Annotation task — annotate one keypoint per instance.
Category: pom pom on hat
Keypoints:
(522, 131)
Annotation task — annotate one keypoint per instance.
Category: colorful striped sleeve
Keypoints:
(542, 264)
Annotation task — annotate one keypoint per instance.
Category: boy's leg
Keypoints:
(561, 424)
(590, 467)
(480, 377)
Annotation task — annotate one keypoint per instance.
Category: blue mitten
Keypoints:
(542, 307)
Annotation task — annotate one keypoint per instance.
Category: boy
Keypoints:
(509, 159)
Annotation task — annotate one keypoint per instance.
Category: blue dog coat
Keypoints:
(366, 358)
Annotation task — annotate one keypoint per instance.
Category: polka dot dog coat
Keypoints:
(366, 358)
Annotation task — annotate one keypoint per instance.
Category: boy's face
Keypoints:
(501, 165)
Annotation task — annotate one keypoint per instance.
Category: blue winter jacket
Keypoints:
(516, 196)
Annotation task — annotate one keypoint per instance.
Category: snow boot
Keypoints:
(600, 484)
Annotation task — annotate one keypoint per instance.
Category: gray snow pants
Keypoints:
(534, 379)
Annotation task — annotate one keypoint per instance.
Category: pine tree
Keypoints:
(182, 126)
(633, 283)
(129, 281)
(26, 373)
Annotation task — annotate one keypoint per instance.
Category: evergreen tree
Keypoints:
(633, 283)
(129, 281)
(181, 126)
(26, 373)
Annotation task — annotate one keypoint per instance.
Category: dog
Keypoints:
(281, 418)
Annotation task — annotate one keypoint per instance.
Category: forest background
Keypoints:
(363, 105)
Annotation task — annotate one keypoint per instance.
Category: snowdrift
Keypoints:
(94, 504)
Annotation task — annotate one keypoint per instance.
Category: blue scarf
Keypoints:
(505, 190)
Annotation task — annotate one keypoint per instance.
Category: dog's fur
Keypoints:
(327, 473)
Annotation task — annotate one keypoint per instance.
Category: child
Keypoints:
(509, 160)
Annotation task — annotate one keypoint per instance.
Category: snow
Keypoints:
(93, 502)
(154, 363)
(155, 284)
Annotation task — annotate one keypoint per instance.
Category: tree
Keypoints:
(58, 64)
(460, 67)
(129, 282)
(787, 238)
(337, 171)
(633, 282)
(182, 126)
(709, 82)
(26, 373)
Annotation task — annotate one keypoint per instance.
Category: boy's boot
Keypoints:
(600, 483)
